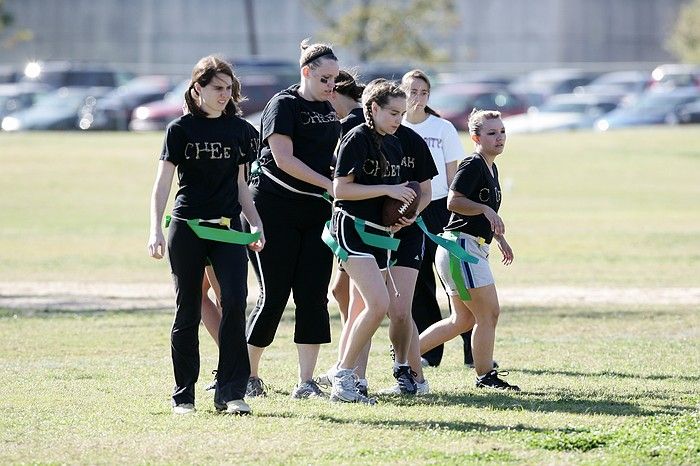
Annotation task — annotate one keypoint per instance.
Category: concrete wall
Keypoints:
(170, 35)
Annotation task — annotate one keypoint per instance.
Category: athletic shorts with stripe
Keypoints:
(474, 275)
(411, 249)
(344, 232)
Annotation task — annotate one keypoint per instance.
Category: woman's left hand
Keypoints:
(258, 245)
(506, 250)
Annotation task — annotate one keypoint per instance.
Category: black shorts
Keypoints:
(344, 232)
(411, 248)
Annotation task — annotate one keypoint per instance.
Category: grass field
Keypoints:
(618, 209)
(610, 384)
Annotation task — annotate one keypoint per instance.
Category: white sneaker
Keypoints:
(344, 388)
(237, 407)
(184, 408)
(423, 388)
(326, 379)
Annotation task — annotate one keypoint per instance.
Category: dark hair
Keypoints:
(417, 74)
(204, 71)
(312, 54)
(478, 117)
(346, 84)
(379, 91)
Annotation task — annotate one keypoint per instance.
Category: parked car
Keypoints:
(562, 112)
(671, 76)
(9, 74)
(621, 83)
(652, 108)
(689, 113)
(113, 112)
(67, 74)
(57, 110)
(454, 102)
(474, 77)
(18, 96)
(155, 116)
(538, 85)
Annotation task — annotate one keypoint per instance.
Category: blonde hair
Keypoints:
(477, 118)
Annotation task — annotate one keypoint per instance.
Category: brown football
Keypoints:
(394, 209)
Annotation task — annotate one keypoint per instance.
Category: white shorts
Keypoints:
(473, 275)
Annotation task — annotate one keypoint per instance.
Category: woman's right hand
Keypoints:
(400, 192)
(156, 244)
(497, 225)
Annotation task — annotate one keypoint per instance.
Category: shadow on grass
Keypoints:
(686, 378)
(552, 401)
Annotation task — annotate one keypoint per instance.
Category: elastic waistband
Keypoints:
(367, 222)
(325, 196)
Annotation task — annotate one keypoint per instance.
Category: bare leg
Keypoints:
(211, 311)
(414, 359)
(371, 288)
(308, 355)
(401, 323)
(460, 320)
(484, 305)
(254, 355)
(341, 293)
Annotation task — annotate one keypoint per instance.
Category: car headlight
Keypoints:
(10, 124)
(602, 125)
(142, 113)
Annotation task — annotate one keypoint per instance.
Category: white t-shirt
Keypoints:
(445, 146)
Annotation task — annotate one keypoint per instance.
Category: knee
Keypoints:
(489, 316)
(400, 315)
(378, 305)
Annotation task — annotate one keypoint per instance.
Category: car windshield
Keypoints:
(61, 99)
(449, 102)
(660, 102)
(564, 107)
(177, 95)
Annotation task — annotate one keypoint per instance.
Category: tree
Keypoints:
(7, 20)
(685, 39)
(387, 29)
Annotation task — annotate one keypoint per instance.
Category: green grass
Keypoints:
(618, 209)
(613, 385)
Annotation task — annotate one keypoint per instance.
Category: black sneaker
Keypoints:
(491, 380)
(256, 387)
(212, 385)
(405, 380)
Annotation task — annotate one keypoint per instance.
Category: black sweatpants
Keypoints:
(188, 254)
(295, 260)
(425, 308)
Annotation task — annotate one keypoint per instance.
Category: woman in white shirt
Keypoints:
(446, 149)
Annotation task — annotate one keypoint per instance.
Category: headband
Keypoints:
(317, 56)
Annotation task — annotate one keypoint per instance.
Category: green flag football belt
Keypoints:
(448, 240)
(216, 233)
(371, 239)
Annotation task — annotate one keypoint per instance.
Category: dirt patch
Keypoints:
(74, 296)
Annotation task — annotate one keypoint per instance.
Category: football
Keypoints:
(394, 209)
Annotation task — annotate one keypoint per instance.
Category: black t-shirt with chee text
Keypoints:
(358, 156)
(207, 153)
(313, 127)
(473, 180)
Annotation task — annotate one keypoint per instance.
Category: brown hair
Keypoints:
(346, 84)
(478, 117)
(380, 91)
(418, 74)
(312, 54)
(203, 72)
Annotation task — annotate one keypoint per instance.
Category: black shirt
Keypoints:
(473, 180)
(355, 118)
(313, 127)
(358, 156)
(207, 153)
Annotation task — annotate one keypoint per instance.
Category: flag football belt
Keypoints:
(371, 239)
(217, 234)
(448, 240)
(267, 173)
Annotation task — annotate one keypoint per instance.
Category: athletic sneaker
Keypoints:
(362, 386)
(491, 380)
(212, 385)
(326, 379)
(405, 380)
(237, 407)
(422, 388)
(345, 389)
(184, 408)
(308, 389)
(471, 364)
(256, 387)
